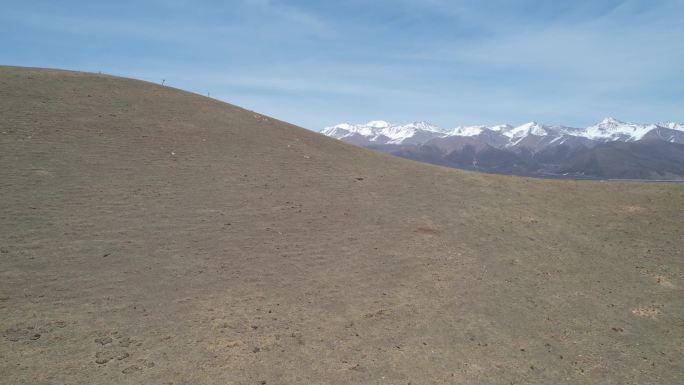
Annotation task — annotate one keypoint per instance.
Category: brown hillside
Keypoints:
(153, 236)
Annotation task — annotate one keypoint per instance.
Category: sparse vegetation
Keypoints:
(150, 235)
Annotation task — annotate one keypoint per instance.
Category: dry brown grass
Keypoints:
(143, 225)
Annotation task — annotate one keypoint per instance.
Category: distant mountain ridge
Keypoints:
(609, 149)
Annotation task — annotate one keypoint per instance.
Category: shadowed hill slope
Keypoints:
(150, 235)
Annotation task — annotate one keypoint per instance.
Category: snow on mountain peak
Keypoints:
(338, 131)
(378, 124)
(467, 131)
(425, 126)
(501, 127)
(383, 132)
(343, 126)
(610, 121)
(612, 129)
(672, 126)
(531, 128)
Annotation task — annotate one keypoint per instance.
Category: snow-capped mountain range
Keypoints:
(608, 149)
(382, 132)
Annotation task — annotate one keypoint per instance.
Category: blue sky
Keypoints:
(317, 63)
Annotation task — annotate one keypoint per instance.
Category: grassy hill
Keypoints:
(150, 235)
